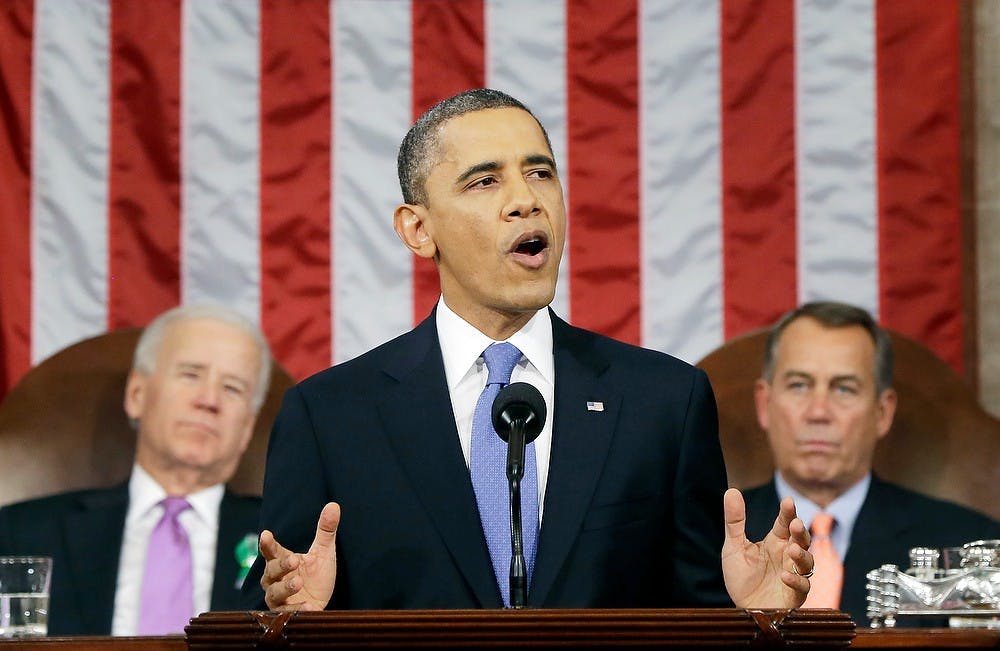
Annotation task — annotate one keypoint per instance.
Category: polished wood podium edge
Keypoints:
(927, 638)
(95, 643)
(729, 627)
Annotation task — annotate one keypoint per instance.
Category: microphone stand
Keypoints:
(515, 472)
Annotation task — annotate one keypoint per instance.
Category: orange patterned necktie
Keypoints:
(828, 574)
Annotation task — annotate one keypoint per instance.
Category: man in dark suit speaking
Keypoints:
(623, 489)
(825, 400)
(144, 557)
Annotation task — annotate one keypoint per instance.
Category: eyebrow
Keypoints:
(195, 366)
(846, 377)
(492, 166)
(540, 159)
(485, 166)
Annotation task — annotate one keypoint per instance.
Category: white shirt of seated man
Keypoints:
(201, 522)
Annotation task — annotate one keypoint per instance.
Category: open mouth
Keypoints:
(531, 244)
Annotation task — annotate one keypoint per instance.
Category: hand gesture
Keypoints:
(772, 573)
(302, 581)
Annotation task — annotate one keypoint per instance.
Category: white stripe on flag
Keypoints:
(69, 250)
(835, 136)
(372, 269)
(519, 35)
(681, 203)
(220, 150)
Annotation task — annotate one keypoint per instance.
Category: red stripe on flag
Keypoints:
(920, 229)
(295, 141)
(603, 142)
(448, 57)
(758, 162)
(144, 176)
(16, 21)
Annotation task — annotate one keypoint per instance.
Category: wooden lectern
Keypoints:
(706, 628)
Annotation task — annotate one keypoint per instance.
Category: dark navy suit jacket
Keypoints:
(633, 506)
(891, 521)
(82, 532)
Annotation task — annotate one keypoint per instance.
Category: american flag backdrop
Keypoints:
(722, 159)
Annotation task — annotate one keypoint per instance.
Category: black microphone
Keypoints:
(518, 417)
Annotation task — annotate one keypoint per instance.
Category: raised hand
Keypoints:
(294, 581)
(771, 573)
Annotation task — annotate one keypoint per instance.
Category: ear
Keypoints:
(412, 226)
(886, 410)
(135, 394)
(761, 399)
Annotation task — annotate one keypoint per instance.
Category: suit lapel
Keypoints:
(93, 539)
(878, 507)
(580, 441)
(237, 519)
(878, 530)
(761, 510)
(433, 461)
(879, 520)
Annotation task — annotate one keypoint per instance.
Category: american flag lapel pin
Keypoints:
(595, 405)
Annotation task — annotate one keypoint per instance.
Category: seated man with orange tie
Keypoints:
(825, 400)
(144, 557)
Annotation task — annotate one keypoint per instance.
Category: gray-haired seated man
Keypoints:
(825, 399)
(143, 557)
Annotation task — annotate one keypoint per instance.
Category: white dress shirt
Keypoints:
(462, 348)
(201, 522)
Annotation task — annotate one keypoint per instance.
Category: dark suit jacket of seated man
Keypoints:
(199, 376)
(82, 532)
(892, 520)
(633, 498)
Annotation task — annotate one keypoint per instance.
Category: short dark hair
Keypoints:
(415, 153)
(832, 314)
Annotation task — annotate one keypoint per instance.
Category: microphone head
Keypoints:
(519, 401)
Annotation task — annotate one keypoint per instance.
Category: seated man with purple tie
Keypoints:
(825, 400)
(144, 557)
(385, 482)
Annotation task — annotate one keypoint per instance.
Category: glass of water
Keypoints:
(24, 595)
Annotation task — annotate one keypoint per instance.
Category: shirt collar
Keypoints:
(462, 344)
(145, 493)
(844, 508)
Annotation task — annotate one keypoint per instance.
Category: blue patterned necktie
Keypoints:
(488, 465)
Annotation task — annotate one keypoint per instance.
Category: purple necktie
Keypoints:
(488, 466)
(167, 601)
